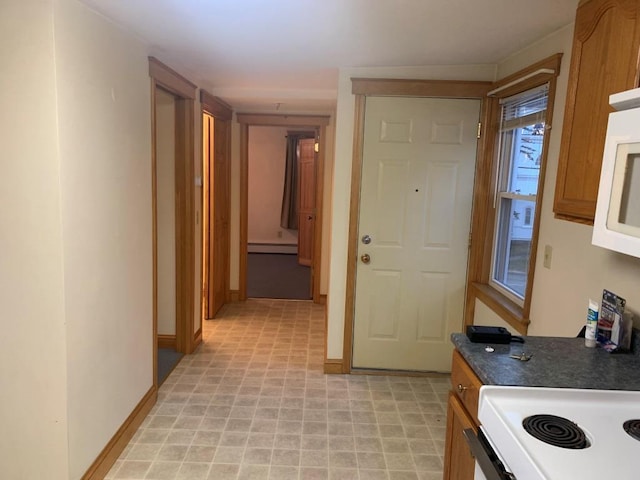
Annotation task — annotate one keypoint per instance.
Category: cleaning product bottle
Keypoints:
(592, 325)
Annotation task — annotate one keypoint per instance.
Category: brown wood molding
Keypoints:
(333, 366)
(552, 62)
(419, 88)
(167, 341)
(171, 80)
(183, 90)
(215, 106)
(244, 208)
(271, 120)
(234, 296)
(110, 453)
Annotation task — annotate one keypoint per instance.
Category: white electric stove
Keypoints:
(557, 434)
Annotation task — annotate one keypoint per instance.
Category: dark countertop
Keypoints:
(556, 362)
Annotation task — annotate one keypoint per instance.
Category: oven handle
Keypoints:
(491, 470)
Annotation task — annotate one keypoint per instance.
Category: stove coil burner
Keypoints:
(556, 431)
(632, 427)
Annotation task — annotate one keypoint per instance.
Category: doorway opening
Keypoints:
(265, 236)
(172, 116)
(216, 202)
(281, 210)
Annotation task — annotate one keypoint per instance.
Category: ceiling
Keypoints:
(268, 55)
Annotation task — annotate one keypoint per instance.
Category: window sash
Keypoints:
(513, 236)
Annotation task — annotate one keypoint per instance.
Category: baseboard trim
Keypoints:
(167, 341)
(333, 366)
(234, 295)
(119, 441)
(197, 338)
(323, 301)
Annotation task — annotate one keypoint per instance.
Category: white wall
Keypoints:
(105, 152)
(342, 177)
(33, 416)
(166, 210)
(579, 271)
(267, 159)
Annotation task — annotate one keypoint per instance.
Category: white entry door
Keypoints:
(413, 231)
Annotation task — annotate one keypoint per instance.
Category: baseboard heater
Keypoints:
(290, 248)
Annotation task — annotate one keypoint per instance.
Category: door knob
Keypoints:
(365, 258)
(310, 217)
(366, 239)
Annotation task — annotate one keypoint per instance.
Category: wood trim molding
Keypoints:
(110, 453)
(171, 80)
(244, 208)
(234, 296)
(322, 300)
(167, 341)
(333, 366)
(215, 106)
(317, 229)
(270, 120)
(184, 92)
(484, 214)
(419, 88)
(352, 251)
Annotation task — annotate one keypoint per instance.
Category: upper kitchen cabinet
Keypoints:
(604, 60)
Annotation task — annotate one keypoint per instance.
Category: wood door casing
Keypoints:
(217, 118)
(306, 199)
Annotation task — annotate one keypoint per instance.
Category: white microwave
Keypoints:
(617, 221)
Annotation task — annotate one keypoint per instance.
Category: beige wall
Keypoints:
(579, 270)
(267, 151)
(105, 155)
(166, 210)
(33, 444)
(340, 197)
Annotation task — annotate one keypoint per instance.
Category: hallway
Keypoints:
(252, 403)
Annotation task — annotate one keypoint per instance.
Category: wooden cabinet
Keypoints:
(462, 413)
(604, 60)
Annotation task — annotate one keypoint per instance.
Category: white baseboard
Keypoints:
(291, 248)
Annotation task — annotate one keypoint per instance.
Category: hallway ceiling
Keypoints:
(256, 54)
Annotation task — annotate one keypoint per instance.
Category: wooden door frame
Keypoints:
(220, 111)
(319, 124)
(184, 91)
(362, 88)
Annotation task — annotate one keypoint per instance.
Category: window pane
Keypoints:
(521, 159)
(513, 244)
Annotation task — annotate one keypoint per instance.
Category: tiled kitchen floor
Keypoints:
(252, 403)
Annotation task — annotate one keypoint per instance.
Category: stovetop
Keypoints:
(607, 451)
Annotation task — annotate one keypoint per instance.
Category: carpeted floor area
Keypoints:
(167, 360)
(277, 275)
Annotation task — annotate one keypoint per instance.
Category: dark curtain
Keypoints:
(289, 212)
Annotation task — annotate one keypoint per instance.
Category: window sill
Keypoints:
(505, 308)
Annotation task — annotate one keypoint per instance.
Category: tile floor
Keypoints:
(252, 403)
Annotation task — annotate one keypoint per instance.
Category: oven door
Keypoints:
(488, 464)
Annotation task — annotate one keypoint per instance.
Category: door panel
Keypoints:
(306, 199)
(415, 203)
(218, 169)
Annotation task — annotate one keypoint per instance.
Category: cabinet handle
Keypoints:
(461, 389)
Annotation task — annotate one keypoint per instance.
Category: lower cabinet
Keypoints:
(459, 464)
(462, 411)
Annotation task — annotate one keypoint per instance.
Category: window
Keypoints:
(520, 139)
(508, 192)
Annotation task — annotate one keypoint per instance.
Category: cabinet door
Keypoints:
(459, 464)
(604, 60)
